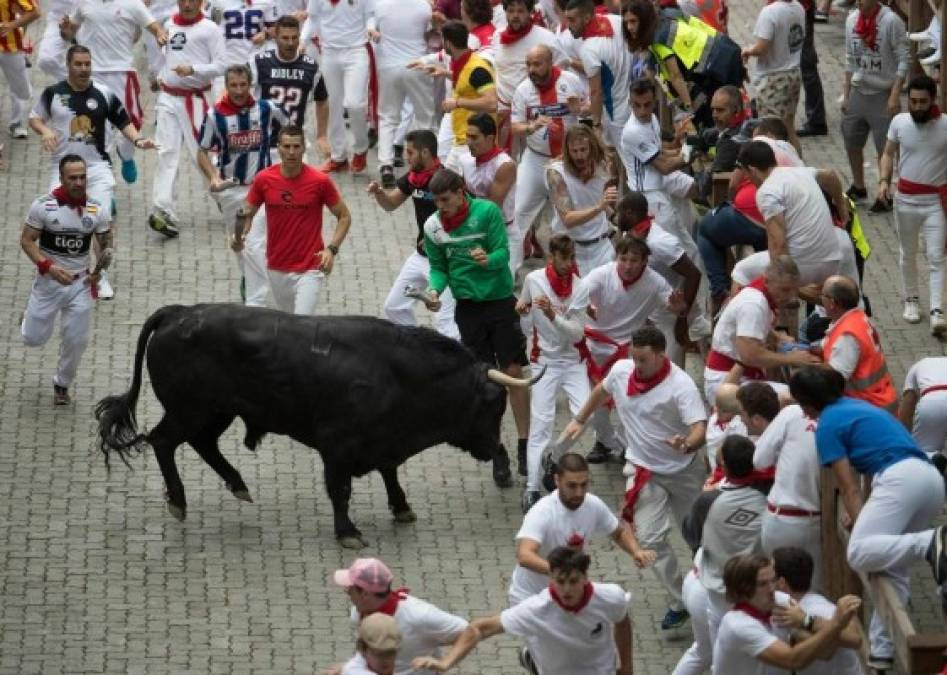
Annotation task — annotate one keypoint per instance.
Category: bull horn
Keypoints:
(502, 378)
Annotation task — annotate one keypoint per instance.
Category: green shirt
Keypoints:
(451, 263)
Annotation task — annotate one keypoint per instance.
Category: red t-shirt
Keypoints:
(744, 201)
(293, 215)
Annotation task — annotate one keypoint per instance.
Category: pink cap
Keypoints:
(369, 574)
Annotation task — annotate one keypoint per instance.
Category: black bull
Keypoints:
(366, 394)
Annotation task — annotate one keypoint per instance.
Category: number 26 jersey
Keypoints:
(239, 22)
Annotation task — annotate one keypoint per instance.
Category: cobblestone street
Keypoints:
(96, 576)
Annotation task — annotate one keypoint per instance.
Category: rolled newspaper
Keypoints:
(416, 293)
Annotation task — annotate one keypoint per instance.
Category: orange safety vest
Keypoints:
(871, 380)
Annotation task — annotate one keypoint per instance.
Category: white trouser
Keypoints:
(296, 292)
(531, 192)
(407, 123)
(810, 272)
(252, 259)
(892, 531)
(590, 256)
(445, 140)
(698, 657)
(803, 532)
(717, 606)
(847, 265)
(573, 379)
(400, 309)
(175, 129)
(663, 495)
(345, 72)
(605, 432)
(930, 422)
(51, 57)
(126, 87)
(452, 161)
(912, 218)
(100, 183)
(714, 378)
(396, 84)
(18, 81)
(515, 237)
(74, 303)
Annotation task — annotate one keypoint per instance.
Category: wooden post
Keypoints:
(837, 578)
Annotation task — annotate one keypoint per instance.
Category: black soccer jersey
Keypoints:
(289, 84)
(79, 118)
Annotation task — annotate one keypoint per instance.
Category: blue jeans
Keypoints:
(721, 228)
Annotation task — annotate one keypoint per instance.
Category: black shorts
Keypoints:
(491, 330)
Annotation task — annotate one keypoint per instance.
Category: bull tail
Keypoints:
(118, 425)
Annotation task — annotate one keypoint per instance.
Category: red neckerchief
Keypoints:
(65, 199)
(739, 118)
(457, 65)
(575, 609)
(561, 286)
(550, 86)
(755, 476)
(508, 36)
(225, 106)
(602, 10)
(935, 111)
(484, 33)
(642, 227)
(642, 476)
(760, 285)
(451, 223)
(181, 21)
(598, 26)
(747, 608)
(626, 284)
(419, 179)
(866, 27)
(640, 385)
(488, 155)
(391, 604)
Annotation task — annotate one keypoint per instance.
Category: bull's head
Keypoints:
(486, 436)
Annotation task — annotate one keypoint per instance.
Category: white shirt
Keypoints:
(571, 642)
(555, 340)
(621, 311)
(610, 58)
(356, 666)
(66, 234)
(342, 25)
(666, 250)
(402, 24)
(740, 640)
(584, 195)
(844, 661)
(109, 28)
(424, 628)
(199, 45)
(509, 61)
(479, 179)
(786, 155)
(746, 315)
(651, 418)
(795, 194)
(928, 372)
(641, 143)
(568, 43)
(239, 22)
(783, 24)
(528, 104)
(923, 157)
(552, 524)
(788, 443)
(717, 433)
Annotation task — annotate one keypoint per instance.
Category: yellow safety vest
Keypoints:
(463, 88)
(687, 39)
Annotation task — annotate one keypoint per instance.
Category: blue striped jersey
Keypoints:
(242, 139)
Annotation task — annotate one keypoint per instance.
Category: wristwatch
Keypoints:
(333, 249)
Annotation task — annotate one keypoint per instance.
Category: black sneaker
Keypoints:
(880, 206)
(674, 619)
(599, 454)
(399, 156)
(387, 177)
(808, 130)
(856, 193)
(162, 223)
(501, 468)
(61, 395)
(937, 555)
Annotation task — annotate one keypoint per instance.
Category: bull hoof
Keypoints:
(405, 517)
(243, 495)
(503, 478)
(179, 512)
(352, 541)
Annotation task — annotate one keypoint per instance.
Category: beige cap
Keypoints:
(380, 631)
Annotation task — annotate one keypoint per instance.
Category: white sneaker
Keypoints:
(931, 60)
(17, 130)
(106, 292)
(912, 311)
(921, 36)
(938, 323)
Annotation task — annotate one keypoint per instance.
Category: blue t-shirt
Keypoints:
(871, 438)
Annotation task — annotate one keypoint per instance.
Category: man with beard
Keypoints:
(921, 137)
(420, 152)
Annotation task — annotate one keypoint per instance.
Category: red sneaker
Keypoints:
(332, 166)
(359, 162)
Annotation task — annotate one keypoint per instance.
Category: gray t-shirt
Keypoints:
(874, 70)
(733, 527)
(783, 25)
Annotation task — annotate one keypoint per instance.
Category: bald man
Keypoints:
(545, 104)
(852, 346)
